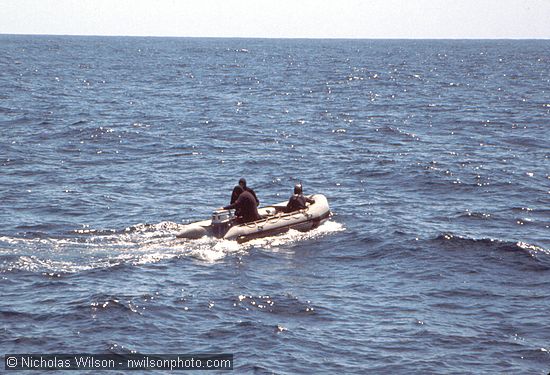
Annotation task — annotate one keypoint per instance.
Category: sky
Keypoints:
(478, 19)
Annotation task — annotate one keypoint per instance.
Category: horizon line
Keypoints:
(278, 37)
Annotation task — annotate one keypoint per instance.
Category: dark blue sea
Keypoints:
(434, 156)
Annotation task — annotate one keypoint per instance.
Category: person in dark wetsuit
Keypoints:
(242, 185)
(245, 206)
(297, 201)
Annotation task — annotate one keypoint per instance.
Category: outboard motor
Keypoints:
(221, 222)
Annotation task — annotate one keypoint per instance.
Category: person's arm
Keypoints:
(238, 203)
(231, 206)
(310, 200)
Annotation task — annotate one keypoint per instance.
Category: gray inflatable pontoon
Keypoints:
(274, 221)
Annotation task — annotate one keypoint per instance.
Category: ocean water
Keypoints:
(433, 155)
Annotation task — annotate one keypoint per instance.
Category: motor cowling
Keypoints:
(221, 222)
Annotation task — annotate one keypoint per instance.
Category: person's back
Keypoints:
(245, 205)
(297, 201)
(236, 192)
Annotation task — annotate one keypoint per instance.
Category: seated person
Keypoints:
(297, 201)
(242, 185)
(245, 206)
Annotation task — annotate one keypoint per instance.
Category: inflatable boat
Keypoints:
(274, 220)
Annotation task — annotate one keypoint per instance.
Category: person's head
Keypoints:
(242, 183)
(238, 190)
(298, 189)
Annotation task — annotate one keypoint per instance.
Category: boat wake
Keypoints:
(86, 249)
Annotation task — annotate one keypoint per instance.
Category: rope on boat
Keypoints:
(277, 218)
